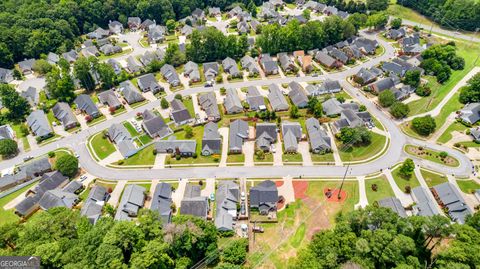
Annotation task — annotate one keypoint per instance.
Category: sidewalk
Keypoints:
(363, 201)
(405, 199)
(336, 155)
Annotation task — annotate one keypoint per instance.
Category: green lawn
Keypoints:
(145, 139)
(316, 190)
(447, 135)
(431, 155)
(288, 157)
(470, 144)
(402, 182)
(143, 157)
(268, 158)
(236, 158)
(133, 132)
(189, 105)
(384, 189)
(433, 179)
(9, 215)
(97, 120)
(358, 153)
(318, 158)
(102, 146)
(20, 135)
(407, 13)
(468, 186)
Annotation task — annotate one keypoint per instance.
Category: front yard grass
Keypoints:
(327, 157)
(101, 146)
(268, 158)
(236, 158)
(431, 155)
(144, 157)
(20, 135)
(468, 186)
(7, 216)
(384, 189)
(447, 135)
(433, 179)
(292, 158)
(133, 132)
(358, 153)
(402, 182)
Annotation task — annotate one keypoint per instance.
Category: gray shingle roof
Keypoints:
(85, 104)
(192, 203)
(254, 99)
(63, 113)
(109, 98)
(6, 132)
(211, 140)
(132, 200)
(394, 204)
(172, 146)
(208, 102)
(38, 123)
(237, 134)
(170, 74)
(317, 136)
(32, 95)
(161, 201)
(232, 102)
(297, 94)
(154, 125)
(265, 135)
(180, 113)
(149, 83)
(451, 199)
(57, 198)
(424, 205)
(276, 98)
(130, 93)
(470, 113)
(264, 196)
(227, 198)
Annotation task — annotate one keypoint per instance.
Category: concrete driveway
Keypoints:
(304, 150)
(209, 187)
(249, 150)
(224, 133)
(177, 195)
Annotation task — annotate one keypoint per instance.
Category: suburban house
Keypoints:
(186, 30)
(117, 68)
(470, 113)
(349, 118)
(327, 87)
(396, 34)
(193, 204)
(450, 199)
(297, 94)
(214, 11)
(394, 204)
(192, 72)
(30, 204)
(411, 45)
(332, 107)
(64, 114)
(320, 142)
(91, 51)
(269, 66)
(6, 75)
(305, 61)
(134, 23)
(132, 65)
(130, 93)
(238, 133)
(58, 198)
(109, 49)
(198, 14)
(154, 125)
(118, 134)
(32, 96)
(366, 46)
(70, 56)
(38, 123)
(291, 135)
(232, 102)
(286, 62)
(178, 147)
(170, 75)
(115, 27)
(231, 67)
(424, 205)
(25, 172)
(475, 133)
(132, 200)
(85, 105)
(366, 76)
(210, 70)
(265, 136)
(264, 197)
(227, 198)
(180, 113)
(109, 98)
(148, 24)
(208, 102)
(249, 64)
(339, 55)
(276, 98)
(162, 201)
(255, 100)
(149, 56)
(26, 66)
(156, 34)
(382, 85)
(93, 205)
(149, 83)
(211, 140)
(6, 132)
(326, 60)
(98, 33)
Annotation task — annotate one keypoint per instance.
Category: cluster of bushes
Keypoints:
(440, 60)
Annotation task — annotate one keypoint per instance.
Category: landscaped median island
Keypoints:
(431, 155)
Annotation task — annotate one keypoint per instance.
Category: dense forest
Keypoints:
(30, 28)
(454, 14)
(379, 238)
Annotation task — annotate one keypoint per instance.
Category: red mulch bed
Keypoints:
(279, 183)
(300, 189)
(334, 196)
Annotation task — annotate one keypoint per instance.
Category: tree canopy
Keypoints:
(17, 107)
(67, 164)
(440, 60)
(471, 92)
(424, 125)
(355, 136)
(8, 147)
(386, 98)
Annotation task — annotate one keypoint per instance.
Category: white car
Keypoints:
(242, 196)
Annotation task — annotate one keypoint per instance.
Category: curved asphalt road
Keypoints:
(393, 155)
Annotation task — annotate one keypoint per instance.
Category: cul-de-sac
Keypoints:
(240, 134)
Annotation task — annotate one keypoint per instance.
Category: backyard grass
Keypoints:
(9, 215)
(384, 189)
(102, 146)
(318, 158)
(402, 182)
(145, 139)
(468, 186)
(133, 132)
(431, 155)
(447, 135)
(433, 179)
(189, 105)
(144, 157)
(357, 153)
(288, 157)
(236, 158)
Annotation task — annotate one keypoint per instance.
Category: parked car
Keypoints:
(242, 196)
(28, 158)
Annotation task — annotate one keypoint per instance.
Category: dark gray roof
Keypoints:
(172, 145)
(85, 103)
(73, 186)
(57, 198)
(450, 198)
(149, 83)
(130, 93)
(180, 113)
(6, 75)
(132, 200)
(325, 59)
(170, 74)
(192, 203)
(161, 201)
(339, 55)
(38, 123)
(211, 140)
(237, 134)
(63, 113)
(118, 133)
(264, 194)
(332, 107)
(154, 125)
(70, 56)
(276, 98)
(208, 102)
(265, 134)
(254, 99)
(36, 167)
(383, 84)
(109, 98)
(317, 136)
(394, 204)
(297, 94)
(424, 205)
(132, 65)
(292, 133)
(232, 102)
(32, 95)
(227, 198)
(6, 132)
